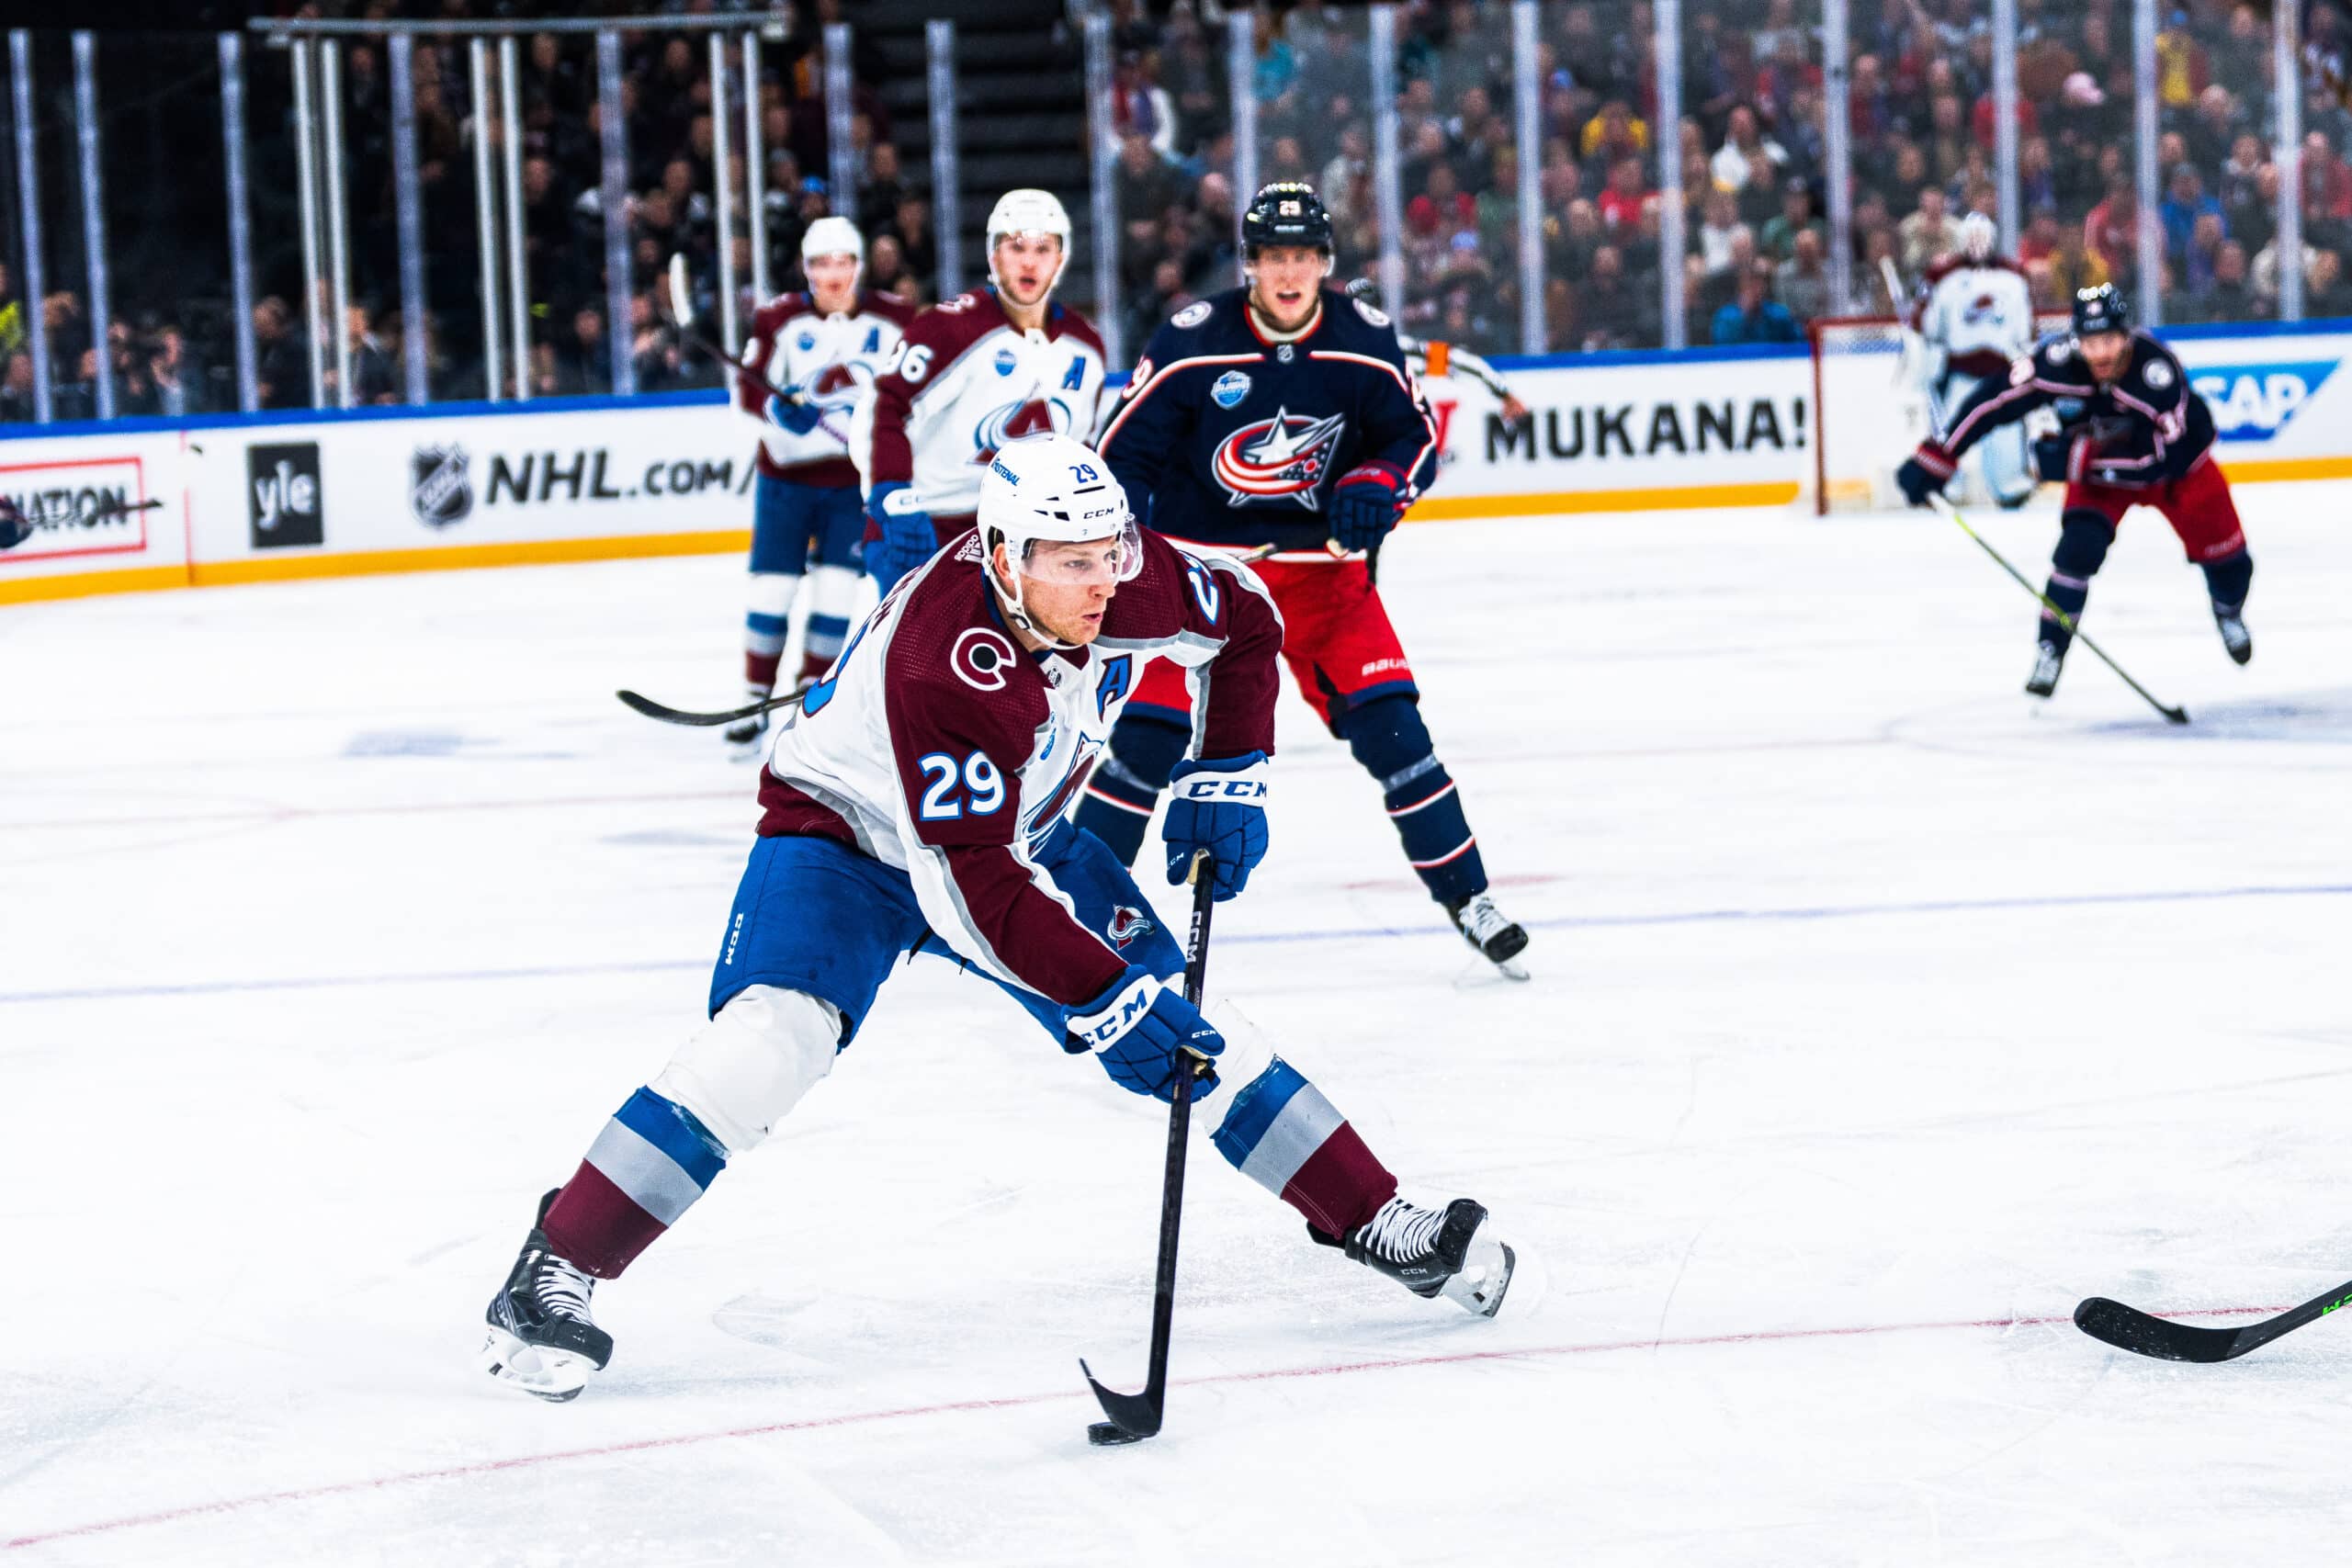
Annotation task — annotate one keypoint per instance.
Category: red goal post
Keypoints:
(1870, 409)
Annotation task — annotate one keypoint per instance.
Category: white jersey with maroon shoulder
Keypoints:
(834, 356)
(936, 744)
(964, 381)
(1979, 313)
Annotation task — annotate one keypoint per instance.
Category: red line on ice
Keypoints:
(857, 1418)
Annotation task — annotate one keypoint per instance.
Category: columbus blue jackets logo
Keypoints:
(1277, 460)
(1127, 922)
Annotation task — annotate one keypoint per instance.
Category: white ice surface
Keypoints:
(1877, 1018)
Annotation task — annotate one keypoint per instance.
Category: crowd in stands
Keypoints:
(1751, 149)
(1752, 152)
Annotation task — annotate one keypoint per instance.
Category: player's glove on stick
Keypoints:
(1141, 1030)
(799, 418)
(2053, 458)
(1918, 480)
(1217, 805)
(907, 537)
(1364, 505)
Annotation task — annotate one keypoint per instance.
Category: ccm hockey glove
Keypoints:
(1219, 806)
(1141, 1028)
(908, 538)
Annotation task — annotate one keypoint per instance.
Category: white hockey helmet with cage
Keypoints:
(1053, 489)
(1977, 236)
(1028, 211)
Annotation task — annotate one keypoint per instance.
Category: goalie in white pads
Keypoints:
(1974, 316)
(915, 805)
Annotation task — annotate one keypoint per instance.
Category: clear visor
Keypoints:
(1088, 564)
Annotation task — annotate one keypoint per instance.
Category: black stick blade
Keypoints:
(1134, 1417)
(2129, 1328)
(2175, 715)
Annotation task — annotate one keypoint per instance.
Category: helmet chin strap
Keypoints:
(1016, 608)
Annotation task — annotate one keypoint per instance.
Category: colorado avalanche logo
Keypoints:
(1038, 416)
(1127, 922)
(839, 385)
(1277, 458)
(981, 658)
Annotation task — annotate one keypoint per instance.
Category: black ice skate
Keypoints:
(748, 733)
(2048, 660)
(541, 1337)
(1433, 1252)
(1498, 939)
(2235, 636)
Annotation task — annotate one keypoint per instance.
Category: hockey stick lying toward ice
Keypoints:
(2175, 716)
(1135, 1416)
(668, 714)
(2129, 1328)
(682, 313)
(16, 527)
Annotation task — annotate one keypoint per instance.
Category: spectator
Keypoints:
(1928, 233)
(280, 364)
(1747, 156)
(586, 363)
(2185, 205)
(372, 377)
(1613, 313)
(16, 390)
(1802, 282)
(2111, 230)
(1719, 230)
(1755, 316)
(2326, 292)
(178, 382)
(1777, 238)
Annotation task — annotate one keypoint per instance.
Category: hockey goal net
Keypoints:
(1869, 401)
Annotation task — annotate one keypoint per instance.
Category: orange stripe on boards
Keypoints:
(455, 557)
(2257, 470)
(80, 584)
(1456, 509)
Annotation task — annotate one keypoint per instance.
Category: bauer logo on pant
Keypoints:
(441, 492)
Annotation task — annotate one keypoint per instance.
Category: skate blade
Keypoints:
(555, 1375)
(1479, 1286)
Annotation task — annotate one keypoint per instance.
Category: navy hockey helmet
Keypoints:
(2102, 309)
(1287, 212)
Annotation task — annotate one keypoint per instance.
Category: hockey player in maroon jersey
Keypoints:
(820, 349)
(972, 373)
(915, 805)
(2132, 433)
(1282, 415)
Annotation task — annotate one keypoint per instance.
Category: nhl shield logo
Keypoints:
(440, 490)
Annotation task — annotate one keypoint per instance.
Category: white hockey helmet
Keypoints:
(1028, 211)
(834, 236)
(1977, 236)
(1051, 489)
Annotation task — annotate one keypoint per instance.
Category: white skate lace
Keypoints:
(1481, 919)
(562, 1290)
(1400, 1232)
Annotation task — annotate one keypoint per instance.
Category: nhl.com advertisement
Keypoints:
(249, 499)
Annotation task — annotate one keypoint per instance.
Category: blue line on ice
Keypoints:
(1247, 939)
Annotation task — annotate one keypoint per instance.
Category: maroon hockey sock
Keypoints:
(759, 669)
(596, 1225)
(1342, 1185)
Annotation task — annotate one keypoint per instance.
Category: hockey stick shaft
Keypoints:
(1944, 505)
(681, 315)
(665, 714)
(2144, 1333)
(1138, 1416)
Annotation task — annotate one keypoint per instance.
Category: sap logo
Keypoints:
(2254, 402)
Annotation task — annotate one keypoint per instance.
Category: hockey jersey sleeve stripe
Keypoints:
(1428, 429)
(1160, 379)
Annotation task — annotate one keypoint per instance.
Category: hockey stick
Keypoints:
(2129, 1328)
(2174, 715)
(668, 714)
(681, 315)
(16, 527)
(1135, 1416)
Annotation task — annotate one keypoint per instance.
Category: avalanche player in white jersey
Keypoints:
(821, 350)
(914, 804)
(972, 373)
(1974, 314)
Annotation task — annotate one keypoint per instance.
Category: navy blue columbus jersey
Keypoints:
(1227, 436)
